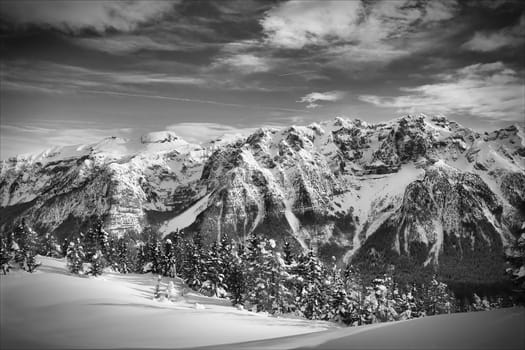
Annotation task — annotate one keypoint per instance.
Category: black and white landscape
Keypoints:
(256, 174)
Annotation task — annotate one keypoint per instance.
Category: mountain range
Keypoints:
(419, 187)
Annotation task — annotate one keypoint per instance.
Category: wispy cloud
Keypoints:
(490, 91)
(360, 31)
(204, 132)
(73, 16)
(245, 63)
(60, 78)
(297, 73)
(192, 100)
(25, 138)
(313, 97)
(486, 41)
(125, 44)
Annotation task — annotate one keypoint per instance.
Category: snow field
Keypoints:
(54, 309)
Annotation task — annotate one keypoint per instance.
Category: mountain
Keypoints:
(420, 186)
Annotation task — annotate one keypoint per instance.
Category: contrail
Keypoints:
(297, 73)
(191, 100)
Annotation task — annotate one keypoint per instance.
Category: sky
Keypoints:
(74, 72)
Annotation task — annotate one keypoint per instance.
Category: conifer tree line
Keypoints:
(260, 276)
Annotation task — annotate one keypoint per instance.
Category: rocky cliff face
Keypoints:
(333, 186)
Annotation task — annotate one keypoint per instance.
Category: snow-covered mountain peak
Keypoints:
(160, 137)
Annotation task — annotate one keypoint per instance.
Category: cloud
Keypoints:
(436, 11)
(157, 78)
(298, 73)
(190, 100)
(245, 63)
(295, 24)
(513, 36)
(204, 132)
(124, 44)
(61, 78)
(97, 15)
(490, 90)
(314, 97)
(31, 138)
(359, 32)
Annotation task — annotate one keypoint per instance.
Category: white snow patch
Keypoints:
(186, 218)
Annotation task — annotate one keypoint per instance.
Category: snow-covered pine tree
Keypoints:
(75, 256)
(287, 283)
(236, 281)
(288, 255)
(97, 263)
(314, 303)
(355, 289)
(258, 274)
(48, 245)
(212, 272)
(5, 255)
(156, 256)
(19, 244)
(276, 289)
(193, 267)
(177, 251)
(111, 254)
(65, 245)
(90, 243)
(142, 259)
(122, 254)
(31, 250)
(168, 259)
(102, 239)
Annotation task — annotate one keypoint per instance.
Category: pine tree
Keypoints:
(90, 243)
(122, 256)
(236, 280)
(102, 238)
(193, 271)
(288, 254)
(65, 245)
(168, 260)
(262, 276)
(232, 269)
(75, 256)
(48, 245)
(177, 251)
(142, 257)
(214, 269)
(19, 244)
(156, 257)
(5, 255)
(31, 250)
(97, 263)
(313, 299)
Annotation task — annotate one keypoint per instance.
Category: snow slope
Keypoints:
(496, 329)
(53, 309)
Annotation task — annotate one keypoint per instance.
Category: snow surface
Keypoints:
(186, 218)
(54, 309)
(496, 329)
